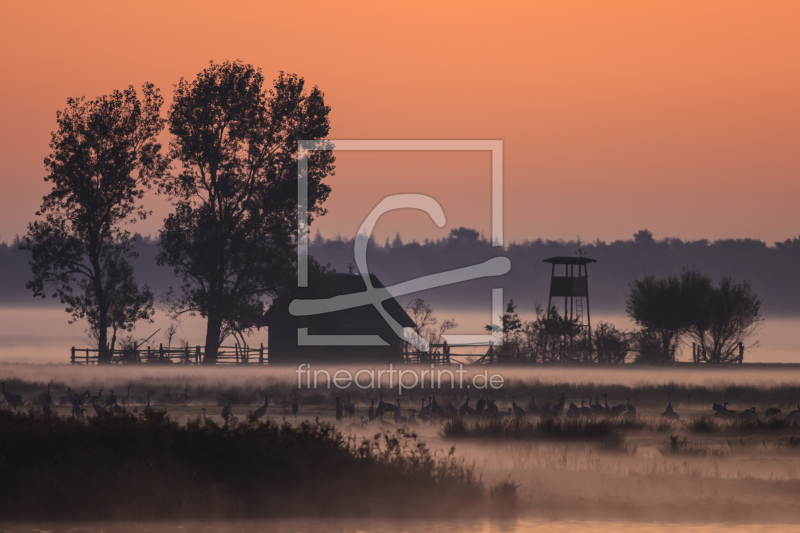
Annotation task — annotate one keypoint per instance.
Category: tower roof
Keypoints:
(570, 260)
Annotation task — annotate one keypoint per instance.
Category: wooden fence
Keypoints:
(187, 355)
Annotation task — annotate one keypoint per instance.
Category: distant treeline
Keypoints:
(771, 270)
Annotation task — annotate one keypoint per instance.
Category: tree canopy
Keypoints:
(104, 156)
(716, 317)
(231, 237)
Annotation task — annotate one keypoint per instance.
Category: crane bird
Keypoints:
(586, 411)
(261, 411)
(669, 412)
(491, 409)
(339, 409)
(117, 408)
(435, 408)
(371, 412)
(14, 400)
(723, 411)
(793, 414)
(630, 411)
(519, 412)
(111, 398)
(606, 407)
(206, 420)
(97, 408)
(450, 409)
(77, 411)
(629, 407)
(748, 414)
(66, 399)
(83, 398)
(596, 408)
(464, 406)
(350, 408)
(424, 415)
(147, 408)
(296, 407)
(481, 403)
(411, 419)
(381, 403)
(227, 411)
(559, 407)
(772, 411)
(573, 410)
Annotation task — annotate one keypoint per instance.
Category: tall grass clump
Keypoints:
(127, 467)
(702, 424)
(683, 447)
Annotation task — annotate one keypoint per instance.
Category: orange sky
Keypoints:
(679, 117)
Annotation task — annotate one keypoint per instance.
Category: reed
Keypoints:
(149, 467)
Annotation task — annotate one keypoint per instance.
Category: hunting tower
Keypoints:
(573, 286)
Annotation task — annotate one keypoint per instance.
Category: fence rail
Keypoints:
(187, 355)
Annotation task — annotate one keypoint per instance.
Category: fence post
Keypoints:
(197, 356)
(261, 354)
(161, 351)
(72, 355)
(741, 353)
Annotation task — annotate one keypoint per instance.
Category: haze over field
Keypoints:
(658, 138)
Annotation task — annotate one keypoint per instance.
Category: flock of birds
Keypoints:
(485, 408)
(430, 411)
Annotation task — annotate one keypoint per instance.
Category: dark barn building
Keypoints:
(364, 320)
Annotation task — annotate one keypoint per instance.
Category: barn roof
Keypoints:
(328, 286)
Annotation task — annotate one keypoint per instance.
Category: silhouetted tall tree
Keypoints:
(724, 316)
(659, 306)
(717, 318)
(231, 237)
(105, 155)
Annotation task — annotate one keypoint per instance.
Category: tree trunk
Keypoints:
(213, 328)
(103, 354)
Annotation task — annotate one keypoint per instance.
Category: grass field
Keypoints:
(724, 470)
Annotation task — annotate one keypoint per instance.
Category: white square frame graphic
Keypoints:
(466, 145)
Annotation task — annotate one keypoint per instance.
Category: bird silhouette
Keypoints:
(669, 412)
(227, 411)
(261, 411)
(97, 408)
(519, 412)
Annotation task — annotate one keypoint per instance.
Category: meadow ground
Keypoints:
(718, 471)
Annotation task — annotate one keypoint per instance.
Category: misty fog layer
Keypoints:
(570, 485)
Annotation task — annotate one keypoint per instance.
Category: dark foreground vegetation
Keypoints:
(145, 468)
